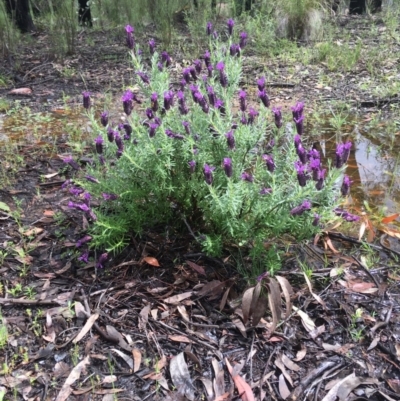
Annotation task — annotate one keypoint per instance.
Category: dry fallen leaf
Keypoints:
(88, 325)
(244, 390)
(21, 91)
(151, 261)
(180, 376)
(178, 298)
(137, 357)
(196, 267)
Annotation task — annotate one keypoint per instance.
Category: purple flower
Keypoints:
(183, 109)
(261, 84)
(320, 179)
(92, 179)
(297, 110)
(149, 114)
(234, 49)
(209, 28)
(211, 95)
(83, 241)
(86, 99)
(118, 141)
(79, 206)
(194, 89)
(75, 191)
(127, 101)
(277, 116)
(315, 165)
(166, 59)
(171, 134)
(108, 197)
(219, 105)
(243, 40)
(65, 184)
(201, 100)
(228, 166)
(242, 100)
(192, 166)
(243, 119)
(299, 210)
(247, 177)
(346, 151)
(210, 70)
(339, 155)
(301, 152)
(102, 160)
(152, 46)
(152, 129)
(208, 176)
(264, 98)
(99, 144)
(297, 141)
(230, 139)
(84, 257)
(119, 153)
(269, 161)
(314, 154)
(223, 79)
(102, 259)
(230, 24)
(70, 161)
(193, 73)
(154, 101)
(160, 66)
(197, 66)
(111, 134)
(104, 118)
(315, 222)
(301, 173)
(207, 58)
(266, 191)
(346, 215)
(129, 37)
(186, 125)
(252, 115)
(168, 99)
(186, 74)
(345, 189)
(144, 77)
(299, 122)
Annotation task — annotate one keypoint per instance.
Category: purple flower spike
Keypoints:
(346, 215)
(104, 118)
(297, 141)
(242, 100)
(102, 160)
(79, 206)
(315, 165)
(92, 179)
(171, 134)
(149, 114)
(160, 66)
(66, 184)
(197, 66)
(154, 101)
(261, 84)
(345, 189)
(208, 176)
(84, 257)
(210, 71)
(346, 151)
(166, 59)
(99, 144)
(314, 154)
(247, 177)
(301, 173)
(252, 115)
(186, 75)
(127, 101)
(129, 36)
(301, 152)
(108, 197)
(277, 116)
(152, 130)
(243, 40)
(152, 46)
(144, 77)
(228, 166)
(209, 28)
(264, 98)
(315, 222)
(128, 130)
(183, 109)
(193, 73)
(71, 162)
(83, 241)
(192, 166)
(269, 161)
(223, 79)
(234, 49)
(111, 134)
(211, 95)
(86, 99)
(230, 139)
(320, 179)
(201, 101)
(266, 191)
(299, 125)
(186, 125)
(299, 210)
(102, 259)
(297, 110)
(118, 141)
(230, 24)
(207, 58)
(75, 191)
(339, 155)
(168, 99)
(194, 89)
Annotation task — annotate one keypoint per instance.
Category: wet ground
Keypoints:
(163, 321)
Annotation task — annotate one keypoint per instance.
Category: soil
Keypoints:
(162, 321)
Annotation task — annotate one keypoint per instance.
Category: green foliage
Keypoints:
(9, 34)
(154, 184)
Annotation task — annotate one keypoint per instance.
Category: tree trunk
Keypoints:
(21, 15)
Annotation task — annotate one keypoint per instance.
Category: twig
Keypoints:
(367, 271)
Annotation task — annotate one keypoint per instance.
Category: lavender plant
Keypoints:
(189, 154)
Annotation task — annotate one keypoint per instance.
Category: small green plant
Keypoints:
(3, 332)
(16, 290)
(356, 332)
(30, 292)
(75, 354)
